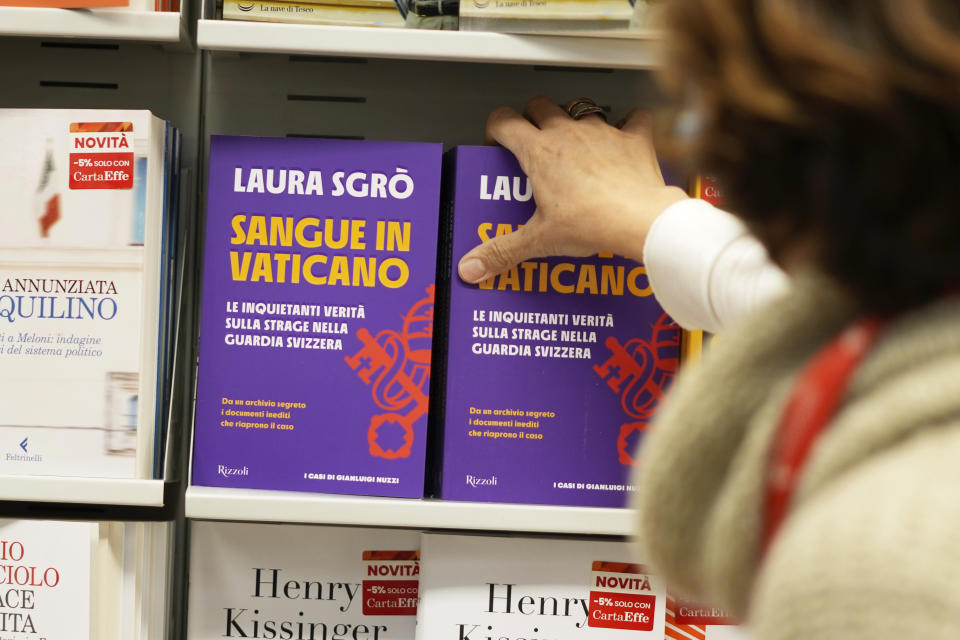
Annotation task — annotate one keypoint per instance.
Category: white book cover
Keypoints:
(45, 572)
(495, 588)
(82, 194)
(301, 582)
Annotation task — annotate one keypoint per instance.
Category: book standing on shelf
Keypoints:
(708, 188)
(553, 370)
(317, 315)
(310, 582)
(83, 580)
(86, 291)
(46, 572)
(513, 587)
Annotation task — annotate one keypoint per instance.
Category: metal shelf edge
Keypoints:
(103, 491)
(103, 24)
(262, 37)
(210, 503)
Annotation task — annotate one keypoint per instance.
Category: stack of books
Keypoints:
(88, 266)
(85, 580)
(352, 13)
(576, 17)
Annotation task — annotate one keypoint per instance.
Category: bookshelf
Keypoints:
(291, 80)
(113, 60)
(353, 93)
(100, 491)
(453, 46)
(143, 26)
(213, 503)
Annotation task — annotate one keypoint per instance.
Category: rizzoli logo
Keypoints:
(226, 471)
(475, 481)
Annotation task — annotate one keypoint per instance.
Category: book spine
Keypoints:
(705, 188)
(441, 328)
(337, 4)
(152, 300)
(302, 12)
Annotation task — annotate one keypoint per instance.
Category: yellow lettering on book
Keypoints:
(318, 269)
(311, 233)
(565, 277)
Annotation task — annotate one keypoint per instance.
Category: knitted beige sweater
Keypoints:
(871, 546)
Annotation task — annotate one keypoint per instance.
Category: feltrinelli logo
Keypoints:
(226, 471)
(477, 481)
(28, 454)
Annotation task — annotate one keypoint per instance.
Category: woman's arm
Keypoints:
(707, 271)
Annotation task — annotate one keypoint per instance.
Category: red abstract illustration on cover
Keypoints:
(641, 371)
(397, 366)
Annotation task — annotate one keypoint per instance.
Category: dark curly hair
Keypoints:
(836, 122)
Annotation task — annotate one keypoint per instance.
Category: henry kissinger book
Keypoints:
(553, 369)
(317, 315)
(300, 582)
(516, 588)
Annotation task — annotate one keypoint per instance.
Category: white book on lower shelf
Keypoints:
(286, 581)
(46, 571)
(83, 580)
(495, 586)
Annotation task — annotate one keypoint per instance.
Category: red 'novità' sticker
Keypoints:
(101, 155)
(391, 583)
(622, 597)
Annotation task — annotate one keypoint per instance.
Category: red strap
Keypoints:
(813, 401)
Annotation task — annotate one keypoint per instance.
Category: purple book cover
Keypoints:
(554, 369)
(317, 315)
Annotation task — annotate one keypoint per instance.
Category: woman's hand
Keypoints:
(598, 188)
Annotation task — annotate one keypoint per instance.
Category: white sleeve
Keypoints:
(706, 270)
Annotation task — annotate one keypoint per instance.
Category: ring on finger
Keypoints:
(582, 107)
